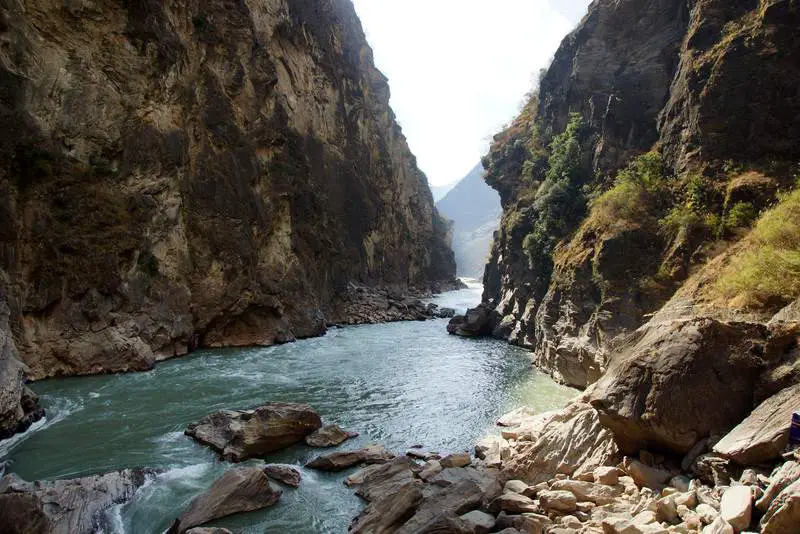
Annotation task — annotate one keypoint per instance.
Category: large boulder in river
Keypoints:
(474, 323)
(241, 434)
(72, 506)
(765, 433)
(680, 382)
(329, 436)
(339, 461)
(239, 490)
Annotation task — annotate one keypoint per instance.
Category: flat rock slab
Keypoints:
(329, 436)
(284, 474)
(241, 434)
(65, 506)
(339, 461)
(736, 507)
(239, 490)
(764, 434)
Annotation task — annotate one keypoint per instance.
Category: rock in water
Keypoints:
(239, 490)
(72, 506)
(241, 434)
(329, 436)
(287, 475)
(339, 461)
(765, 433)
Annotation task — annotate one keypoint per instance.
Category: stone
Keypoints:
(570, 521)
(208, 530)
(515, 503)
(387, 478)
(430, 469)
(241, 434)
(644, 475)
(570, 441)
(707, 513)
(461, 459)
(515, 486)
(680, 483)
(329, 436)
(390, 512)
(530, 523)
(474, 323)
(358, 477)
(764, 434)
(443, 502)
(70, 506)
(493, 450)
(781, 478)
(718, 526)
(242, 489)
(339, 461)
(644, 518)
(667, 510)
(421, 454)
(783, 514)
(560, 501)
(688, 499)
(736, 507)
(606, 475)
(588, 491)
(619, 525)
(654, 391)
(478, 522)
(284, 474)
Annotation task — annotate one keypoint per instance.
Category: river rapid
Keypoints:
(397, 384)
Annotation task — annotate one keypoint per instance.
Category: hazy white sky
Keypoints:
(459, 69)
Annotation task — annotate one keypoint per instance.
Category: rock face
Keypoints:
(214, 175)
(765, 433)
(241, 434)
(239, 490)
(637, 75)
(18, 404)
(73, 506)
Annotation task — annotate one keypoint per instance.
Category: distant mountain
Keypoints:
(439, 191)
(475, 210)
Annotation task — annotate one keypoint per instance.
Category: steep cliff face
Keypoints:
(197, 174)
(658, 133)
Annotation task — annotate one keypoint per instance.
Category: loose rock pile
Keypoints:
(369, 305)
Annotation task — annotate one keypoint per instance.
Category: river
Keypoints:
(397, 384)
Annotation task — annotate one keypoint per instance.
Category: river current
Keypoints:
(397, 384)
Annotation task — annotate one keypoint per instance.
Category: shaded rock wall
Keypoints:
(203, 174)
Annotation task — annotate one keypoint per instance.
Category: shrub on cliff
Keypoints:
(768, 273)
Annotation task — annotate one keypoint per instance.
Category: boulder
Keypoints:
(446, 313)
(781, 479)
(529, 522)
(764, 434)
(239, 490)
(558, 500)
(783, 515)
(588, 491)
(388, 513)
(645, 476)
(736, 507)
(514, 503)
(656, 390)
(430, 469)
(461, 459)
(474, 323)
(329, 436)
(569, 441)
(73, 506)
(493, 450)
(241, 434)
(515, 486)
(286, 475)
(606, 475)
(718, 526)
(478, 522)
(444, 503)
(338, 461)
(386, 479)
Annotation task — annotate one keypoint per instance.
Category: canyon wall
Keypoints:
(197, 174)
(657, 124)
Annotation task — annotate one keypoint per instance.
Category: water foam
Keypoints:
(57, 410)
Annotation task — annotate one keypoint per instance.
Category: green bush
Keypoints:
(769, 271)
(741, 214)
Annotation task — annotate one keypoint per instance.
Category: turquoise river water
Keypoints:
(397, 384)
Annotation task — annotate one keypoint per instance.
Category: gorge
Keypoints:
(226, 182)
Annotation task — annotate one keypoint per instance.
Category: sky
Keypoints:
(459, 69)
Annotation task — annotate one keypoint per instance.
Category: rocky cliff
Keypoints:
(659, 134)
(197, 174)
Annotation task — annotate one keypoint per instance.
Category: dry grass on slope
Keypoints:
(767, 273)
